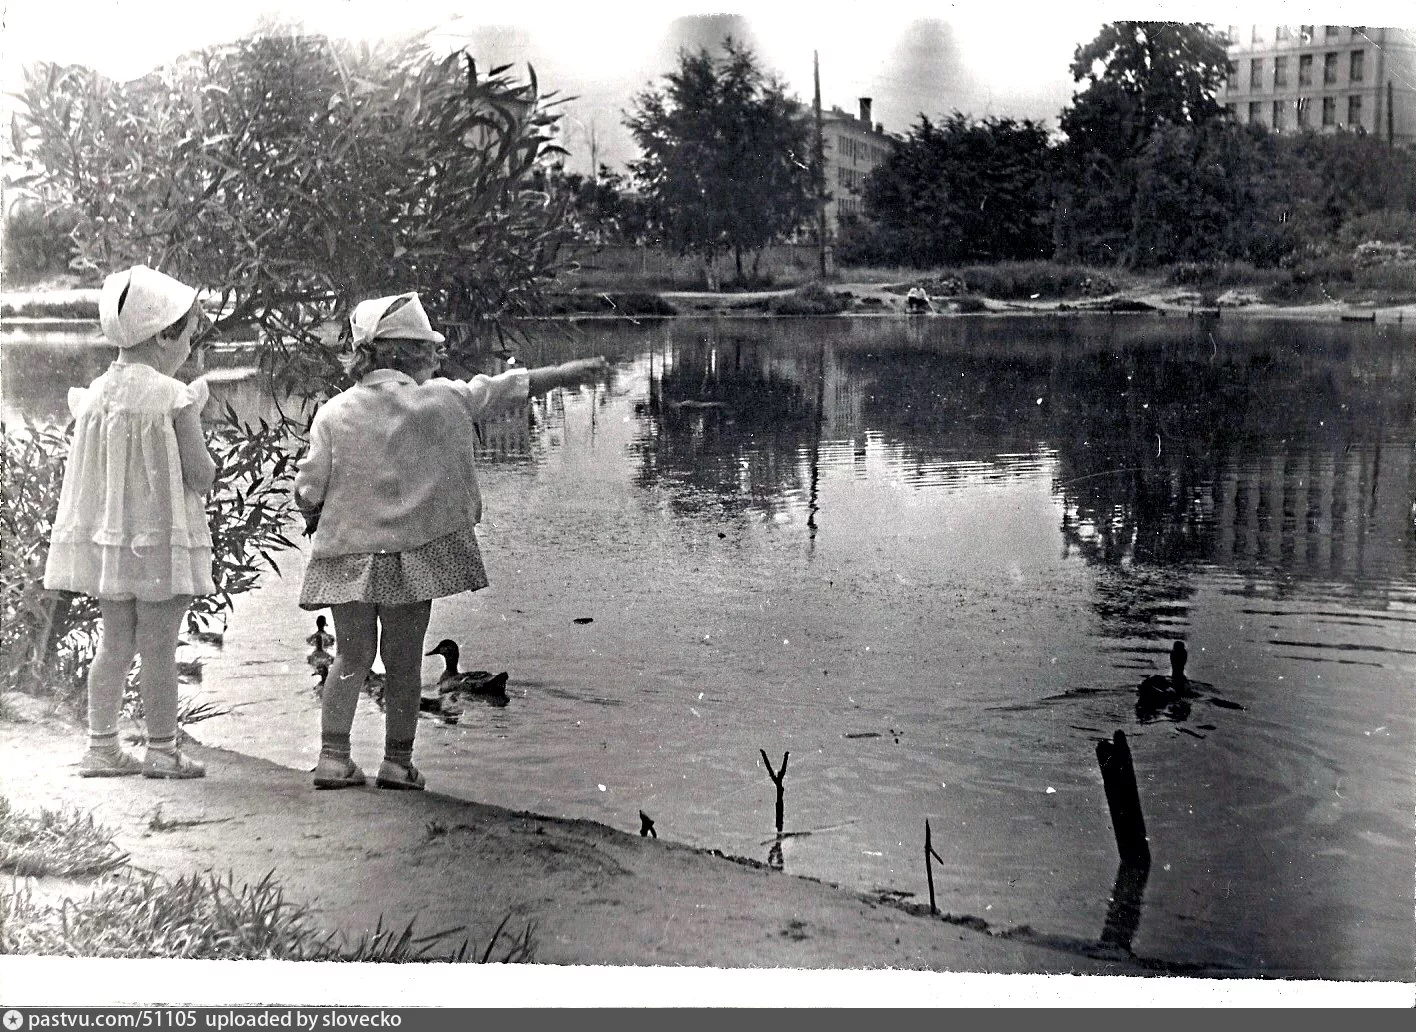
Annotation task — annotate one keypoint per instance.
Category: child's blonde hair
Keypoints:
(404, 354)
(398, 353)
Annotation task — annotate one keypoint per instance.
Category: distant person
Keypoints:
(389, 487)
(131, 529)
(917, 301)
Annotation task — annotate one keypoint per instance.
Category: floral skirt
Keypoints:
(444, 566)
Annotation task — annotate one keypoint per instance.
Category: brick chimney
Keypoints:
(865, 111)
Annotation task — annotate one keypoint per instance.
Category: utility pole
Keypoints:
(594, 156)
(820, 171)
(1391, 127)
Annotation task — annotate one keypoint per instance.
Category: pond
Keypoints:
(931, 560)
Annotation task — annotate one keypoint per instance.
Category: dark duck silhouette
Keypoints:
(1168, 696)
(453, 681)
(322, 640)
(1163, 689)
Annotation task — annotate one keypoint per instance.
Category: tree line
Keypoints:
(1147, 169)
(347, 166)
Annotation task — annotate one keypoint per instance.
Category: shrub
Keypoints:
(47, 638)
(812, 299)
(1388, 225)
(41, 308)
(1222, 274)
(628, 303)
(1016, 280)
(37, 241)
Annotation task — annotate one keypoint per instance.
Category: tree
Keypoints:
(725, 159)
(963, 190)
(294, 175)
(1140, 76)
(603, 209)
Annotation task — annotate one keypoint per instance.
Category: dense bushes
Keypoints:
(812, 299)
(961, 190)
(37, 241)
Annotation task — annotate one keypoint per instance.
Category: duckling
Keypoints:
(320, 661)
(468, 682)
(1161, 689)
(374, 687)
(321, 639)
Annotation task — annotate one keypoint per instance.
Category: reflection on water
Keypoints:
(933, 560)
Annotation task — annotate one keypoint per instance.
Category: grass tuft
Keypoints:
(136, 915)
(55, 843)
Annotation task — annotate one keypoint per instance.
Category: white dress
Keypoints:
(127, 526)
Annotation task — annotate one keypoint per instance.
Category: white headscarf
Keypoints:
(410, 322)
(136, 303)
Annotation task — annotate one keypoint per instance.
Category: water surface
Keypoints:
(931, 559)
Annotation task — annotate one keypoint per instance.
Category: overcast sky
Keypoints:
(1006, 57)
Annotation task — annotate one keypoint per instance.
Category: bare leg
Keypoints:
(401, 647)
(158, 624)
(356, 639)
(117, 644)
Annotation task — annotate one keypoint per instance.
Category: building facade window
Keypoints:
(1305, 33)
(1329, 68)
(1231, 78)
(1331, 31)
(1305, 70)
(1282, 33)
(1305, 112)
(1356, 67)
(1280, 72)
(1329, 111)
(1256, 73)
(1358, 31)
(1232, 110)
(1354, 111)
(1256, 34)
(1277, 120)
(1233, 34)
(1255, 112)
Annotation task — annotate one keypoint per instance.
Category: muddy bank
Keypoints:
(592, 895)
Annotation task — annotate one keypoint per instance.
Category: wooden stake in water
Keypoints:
(1123, 799)
(777, 776)
(928, 866)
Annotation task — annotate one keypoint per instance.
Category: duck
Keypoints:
(465, 682)
(1161, 689)
(321, 639)
(320, 661)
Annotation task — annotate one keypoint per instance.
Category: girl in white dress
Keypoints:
(131, 529)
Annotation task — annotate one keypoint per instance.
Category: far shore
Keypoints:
(864, 300)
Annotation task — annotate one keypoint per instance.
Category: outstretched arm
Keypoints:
(567, 374)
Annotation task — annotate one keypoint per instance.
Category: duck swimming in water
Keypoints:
(465, 682)
(322, 640)
(1160, 689)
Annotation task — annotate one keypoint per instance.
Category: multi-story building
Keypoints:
(854, 147)
(1323, 78)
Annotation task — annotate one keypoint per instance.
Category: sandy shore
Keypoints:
(592, 895)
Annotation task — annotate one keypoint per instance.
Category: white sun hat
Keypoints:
(385, 317)
(138, 302)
